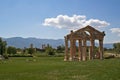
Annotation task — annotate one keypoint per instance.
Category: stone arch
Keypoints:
(88, 33)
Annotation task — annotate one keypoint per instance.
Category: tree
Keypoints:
(49, 50)
(2, 46)
(116, 47)
(31, 50)
(60, 49)
(24, 50)
(11, 50)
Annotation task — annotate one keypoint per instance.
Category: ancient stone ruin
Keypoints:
(81, 37)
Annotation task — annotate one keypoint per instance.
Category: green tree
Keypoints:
(24, 50)
(49, 50)
(60, 49)
(116, 47)
(31, 50)
(2, 47)
(11, 50)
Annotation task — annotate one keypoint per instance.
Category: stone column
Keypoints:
(71, 50)
(71, 46)
(66, 49)
(90, 52)
(74, 49)
(84, 50)
(92, 49)
(101, 48)
(79, 50)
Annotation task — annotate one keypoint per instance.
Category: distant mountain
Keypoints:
(108, 45)
(20, 42)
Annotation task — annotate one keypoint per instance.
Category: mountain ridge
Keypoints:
(20, 42)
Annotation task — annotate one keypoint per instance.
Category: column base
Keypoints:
(101, 58)
(84, 58)
(70, 59)
(79, 59)
(66, 58)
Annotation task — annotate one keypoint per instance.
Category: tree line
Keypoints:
(11, 50)
(49, 50)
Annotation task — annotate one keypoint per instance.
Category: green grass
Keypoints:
(54, 68)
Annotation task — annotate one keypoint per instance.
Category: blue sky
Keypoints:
(26, 18)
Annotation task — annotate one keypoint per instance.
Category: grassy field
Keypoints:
(54, 68)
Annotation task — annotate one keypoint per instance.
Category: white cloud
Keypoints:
(97, 23)
(116, 30)
(74, 22)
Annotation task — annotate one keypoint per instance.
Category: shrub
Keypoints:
(11, 50)
(50, 51)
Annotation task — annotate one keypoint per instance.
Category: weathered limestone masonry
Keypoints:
(81, 36)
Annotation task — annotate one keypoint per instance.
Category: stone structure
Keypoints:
(81, 36)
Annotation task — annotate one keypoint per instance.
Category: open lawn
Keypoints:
(54, 68)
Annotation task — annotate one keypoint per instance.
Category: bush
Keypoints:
(6, 56)
(50, 51)
(60, 49)
(31, 51)
(20, 55)
(11, 50)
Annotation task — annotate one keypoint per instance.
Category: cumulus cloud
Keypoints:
(116, 30)
(97, 23)
(73, 22)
